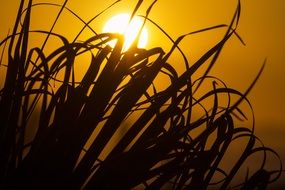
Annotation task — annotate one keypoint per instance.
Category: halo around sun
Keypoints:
(120, 24)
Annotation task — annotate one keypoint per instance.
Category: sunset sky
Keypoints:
(262, 28)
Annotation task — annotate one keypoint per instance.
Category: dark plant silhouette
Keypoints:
(159, 147)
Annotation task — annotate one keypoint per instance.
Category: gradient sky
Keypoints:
(262, 27)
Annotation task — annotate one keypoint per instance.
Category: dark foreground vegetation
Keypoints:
(163, 144)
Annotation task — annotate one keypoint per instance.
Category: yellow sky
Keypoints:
(261, 26)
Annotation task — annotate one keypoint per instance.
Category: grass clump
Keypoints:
(157, 149)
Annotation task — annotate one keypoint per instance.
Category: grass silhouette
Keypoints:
(156, 150)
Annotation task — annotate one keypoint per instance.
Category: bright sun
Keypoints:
(120, 24)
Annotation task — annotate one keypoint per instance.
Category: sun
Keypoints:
(120, 24)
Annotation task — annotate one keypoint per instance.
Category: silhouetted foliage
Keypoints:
(158, 147)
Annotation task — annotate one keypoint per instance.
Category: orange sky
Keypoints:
(262, 27)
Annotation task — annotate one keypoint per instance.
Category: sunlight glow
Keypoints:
(120, 24)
